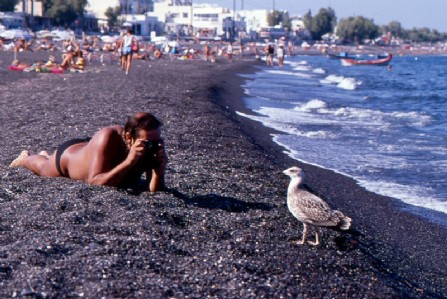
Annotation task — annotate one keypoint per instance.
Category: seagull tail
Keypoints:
(345, 226)
(345, 222)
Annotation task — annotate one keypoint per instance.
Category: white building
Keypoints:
(203, 20)
(144, 25)
(32, 7)
(255, 19)
(137, 7)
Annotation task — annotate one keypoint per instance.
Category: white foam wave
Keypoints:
(409, 194)
(311, 105)
(288, 73)
(285, 127)
(303, 68)
(333, 79)
(348, 84)
(341, 82)
(368, 116)
(319, 71)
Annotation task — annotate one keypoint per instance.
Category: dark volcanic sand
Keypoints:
(222, 231)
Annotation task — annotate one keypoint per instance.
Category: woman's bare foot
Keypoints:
(19, 160)
(45, 154)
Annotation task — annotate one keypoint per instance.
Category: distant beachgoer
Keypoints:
(21, 45)
(128, 40)
(269, 51)
(207, 51)
(241, 57)
(119, 50)
(80, 61)
(230, 52)
(290, 46)
(115, 156)
(280, 55)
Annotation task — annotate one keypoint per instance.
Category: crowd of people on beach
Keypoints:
(123, 49)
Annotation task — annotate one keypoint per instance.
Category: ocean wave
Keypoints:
(303, 68)
(289, 73)
(319, 71)
(341, 82)
(349, 84)
(285, 127)
(311, 105)
(419, 196)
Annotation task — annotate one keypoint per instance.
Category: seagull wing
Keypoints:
(313, 210)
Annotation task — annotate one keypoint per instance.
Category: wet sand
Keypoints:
(221, 231)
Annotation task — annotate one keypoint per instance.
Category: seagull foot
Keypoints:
(313, 243)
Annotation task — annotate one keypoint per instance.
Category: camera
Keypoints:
(152, 146)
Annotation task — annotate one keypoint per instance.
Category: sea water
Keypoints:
(385, 128)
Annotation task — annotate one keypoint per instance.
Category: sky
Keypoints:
(410, 13)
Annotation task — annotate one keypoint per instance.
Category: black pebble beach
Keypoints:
(222, 230)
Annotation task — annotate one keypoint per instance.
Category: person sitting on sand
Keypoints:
(80, 61)
(22, 45)
(115, 156)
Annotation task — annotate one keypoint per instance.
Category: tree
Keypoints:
(323, 22)
(395, 28)
(278, 17)
(307, 20)
(357, 29)
(8, 5)
(65, 11)
(112, 15)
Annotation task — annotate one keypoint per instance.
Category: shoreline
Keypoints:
(260, 135)
(431, 215)
(223, 230)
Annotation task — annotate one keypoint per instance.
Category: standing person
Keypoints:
(207, 51)
(115, 156)
(230, 52)
(119, 50)
(280, 55)
(269, 51)
(290, 47)
(128, 40)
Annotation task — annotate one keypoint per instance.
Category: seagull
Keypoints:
(311, 209)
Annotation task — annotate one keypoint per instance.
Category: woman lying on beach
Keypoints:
(114, 156)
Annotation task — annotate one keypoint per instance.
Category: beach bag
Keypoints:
(135, 47)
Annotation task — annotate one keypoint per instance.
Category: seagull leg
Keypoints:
(317, 242)
(303, 240)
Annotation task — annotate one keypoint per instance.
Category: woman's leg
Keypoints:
(128, 63)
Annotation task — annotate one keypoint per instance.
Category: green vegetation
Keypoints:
(65, 12)
(112, 15)
(357, 29)
(324, 22)
(278, 18)
(8, 5)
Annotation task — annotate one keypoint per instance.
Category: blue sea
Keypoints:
(385, 128)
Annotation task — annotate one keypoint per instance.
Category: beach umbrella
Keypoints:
(15, 34)
(62, 35)
(107, 39)
(127, 24)
(45, 34)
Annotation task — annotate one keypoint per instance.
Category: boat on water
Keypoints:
(340, 55)
(379, 61)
